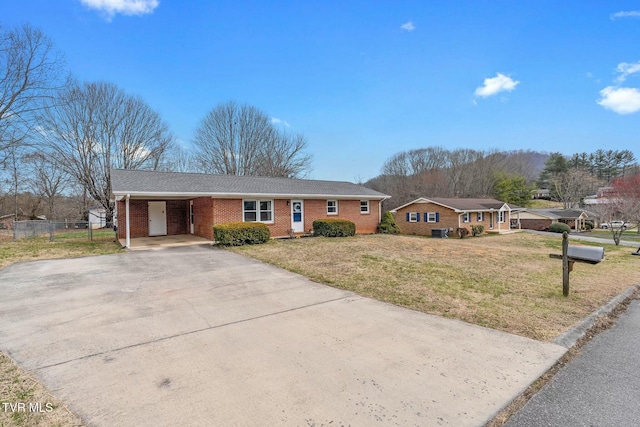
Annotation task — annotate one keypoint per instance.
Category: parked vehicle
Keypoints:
(615, 224)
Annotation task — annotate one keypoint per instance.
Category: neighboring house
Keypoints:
(97, 217)
(541, 219)
(424, 214)
(171, 203)
(542, 193)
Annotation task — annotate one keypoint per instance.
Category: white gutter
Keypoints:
(161, 194)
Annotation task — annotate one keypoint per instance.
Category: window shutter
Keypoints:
(417, 216)
(408, 216)
(426, 217)
(437, 217)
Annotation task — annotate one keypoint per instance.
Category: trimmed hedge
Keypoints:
(241, 233)
(559, 227)
(333, 228)
(388, 224)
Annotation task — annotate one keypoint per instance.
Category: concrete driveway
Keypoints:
(199, 336)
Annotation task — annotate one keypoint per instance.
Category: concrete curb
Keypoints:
(571, 337)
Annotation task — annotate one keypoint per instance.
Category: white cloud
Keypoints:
(125, 7)
(495, 85)
(628, 14)
(408, 26)
(625, 69)
(277, 121)
(621, 100)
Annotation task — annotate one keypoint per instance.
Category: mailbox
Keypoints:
(587, 254)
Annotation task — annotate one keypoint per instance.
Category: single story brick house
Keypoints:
(422, 215)
(150, 203)
(541, 219)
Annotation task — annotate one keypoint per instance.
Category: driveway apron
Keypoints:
(201, 336)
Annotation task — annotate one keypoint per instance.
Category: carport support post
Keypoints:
(127, 227)
(565, 264)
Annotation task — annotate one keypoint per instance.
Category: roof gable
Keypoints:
(463, 204)
(152, 183)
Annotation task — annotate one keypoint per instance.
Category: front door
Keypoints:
(297, 216)
(191, 224)
(157, 218)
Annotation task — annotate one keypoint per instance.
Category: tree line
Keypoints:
(439, 172)
(510, 176)
(61, 136)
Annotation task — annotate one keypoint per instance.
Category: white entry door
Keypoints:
(157, 218)
(297, 216)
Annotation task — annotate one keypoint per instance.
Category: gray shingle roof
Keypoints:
(558, 213)
(140, 183)
(469, 204)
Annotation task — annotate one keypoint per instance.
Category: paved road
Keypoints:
(600, 387)
(200, 336)
(587, 238)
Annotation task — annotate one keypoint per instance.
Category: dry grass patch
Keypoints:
(502, 282)
(16, 386)
(42, 248)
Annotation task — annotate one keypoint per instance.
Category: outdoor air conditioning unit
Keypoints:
(440, 233)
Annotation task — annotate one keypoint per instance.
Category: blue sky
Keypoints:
(366, 79)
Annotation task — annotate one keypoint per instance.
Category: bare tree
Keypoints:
(94, 127)
(237, 139)
(47, 179)
(284, 156)
(178, 159)
(572, 186)
(30, 72)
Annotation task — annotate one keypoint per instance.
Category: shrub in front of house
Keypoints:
(477, 230)
(388, 224)
(241, 233)
(588, 225)
(559, 227)
(333, 228)
(462, 232)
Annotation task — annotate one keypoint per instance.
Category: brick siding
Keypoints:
(447, 219)
(535, 224)
(209, 212)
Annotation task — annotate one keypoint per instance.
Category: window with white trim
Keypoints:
(413, 216)
(257, 211)
(466, 217)
(501, 216)
(480, 217)
(332, 207)
(364, 206)
(432, 217)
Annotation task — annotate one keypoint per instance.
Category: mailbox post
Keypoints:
(573, 254)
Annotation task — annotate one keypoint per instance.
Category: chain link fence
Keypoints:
(63, 230)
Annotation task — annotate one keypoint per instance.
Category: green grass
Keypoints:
(41, 248)
(629, 235)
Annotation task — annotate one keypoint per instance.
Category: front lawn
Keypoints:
(503, 282)
(41, 248)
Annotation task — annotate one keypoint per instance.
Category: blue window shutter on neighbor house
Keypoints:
(407, 216)
(426, 217)
(417, 216)
(437, 217)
